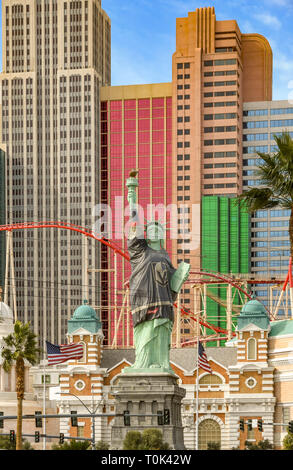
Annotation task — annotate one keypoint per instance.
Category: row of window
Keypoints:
(210, 94)
(180, 107)
(220, 104)
(256, 148)
(183, 144)
(264, 136)
(185, 65)
(220, 186)
(273, 263)
(250, 182)
(249, 137)
(219, 175)
(272, 243)
(211, 117)
(219, 165)
(273, 213)
(185, 119)
(183, 157)
(210, 63)
(186, 76)
(220, 73)
(252, 161)
(208, 130)
(273, 123)
(219, 154)
(185, 87)
(185, 168)
(272, 223)
(227, 83)
(265, 112)
(220, 142)
(274, 234)
(264, 254)
(185, 97)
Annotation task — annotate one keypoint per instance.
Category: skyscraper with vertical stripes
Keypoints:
(56, 56)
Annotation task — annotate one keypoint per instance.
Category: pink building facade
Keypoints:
(136, 132)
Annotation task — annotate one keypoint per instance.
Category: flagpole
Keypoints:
(44, 396)
(197, 386)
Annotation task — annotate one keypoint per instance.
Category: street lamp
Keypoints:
(92, 413)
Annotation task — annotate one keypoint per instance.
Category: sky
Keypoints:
(144, 36)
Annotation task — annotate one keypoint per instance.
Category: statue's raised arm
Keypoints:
(132, 184)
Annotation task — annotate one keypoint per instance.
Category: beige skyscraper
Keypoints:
(56, 56)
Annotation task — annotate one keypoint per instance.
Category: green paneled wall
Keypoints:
(225, 247)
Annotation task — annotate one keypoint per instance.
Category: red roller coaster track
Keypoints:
(110, 244)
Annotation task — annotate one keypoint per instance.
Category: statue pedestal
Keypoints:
(146, 393)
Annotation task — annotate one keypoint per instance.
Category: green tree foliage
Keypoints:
(19, 346)
(275, 173)
(288, 441)
(150, 439)
(261, 445)
(72, 445)
(7, 445)
(214, 446)
(101, 445)
(132, 441)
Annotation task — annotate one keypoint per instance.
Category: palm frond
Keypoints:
(257, 198)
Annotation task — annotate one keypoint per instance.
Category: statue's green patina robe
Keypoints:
(151, 302)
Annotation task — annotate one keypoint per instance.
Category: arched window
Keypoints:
(210, 381)
(208, 431)
(251, 349)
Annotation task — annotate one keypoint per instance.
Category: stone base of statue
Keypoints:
(145, 393)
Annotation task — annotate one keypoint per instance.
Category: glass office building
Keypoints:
(270, 250)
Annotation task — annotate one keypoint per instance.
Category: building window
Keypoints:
(286, 414)
(208, 431)
(255, 112)
(209, 381)
(80, 431)
(251, 349)
(47, 379)
(79, 385)
(251, 382)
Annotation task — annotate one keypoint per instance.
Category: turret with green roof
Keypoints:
(253, 312)
(84, 317)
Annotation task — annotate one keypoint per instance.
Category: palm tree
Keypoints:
(275, 173)
(20, 346)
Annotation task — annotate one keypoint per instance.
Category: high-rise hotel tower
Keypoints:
(56, 56)
(215, 70)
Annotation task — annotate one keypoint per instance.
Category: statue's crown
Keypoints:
(158, 223)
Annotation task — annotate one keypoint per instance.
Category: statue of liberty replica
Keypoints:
(154, 284)
(149, 387)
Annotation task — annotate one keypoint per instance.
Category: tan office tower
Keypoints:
(56, 55)
(215, 69)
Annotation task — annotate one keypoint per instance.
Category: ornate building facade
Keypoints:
(251, 380)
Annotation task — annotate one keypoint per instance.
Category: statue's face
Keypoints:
(155, 232)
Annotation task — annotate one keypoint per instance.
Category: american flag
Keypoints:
(63, 352)
(202, 359)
